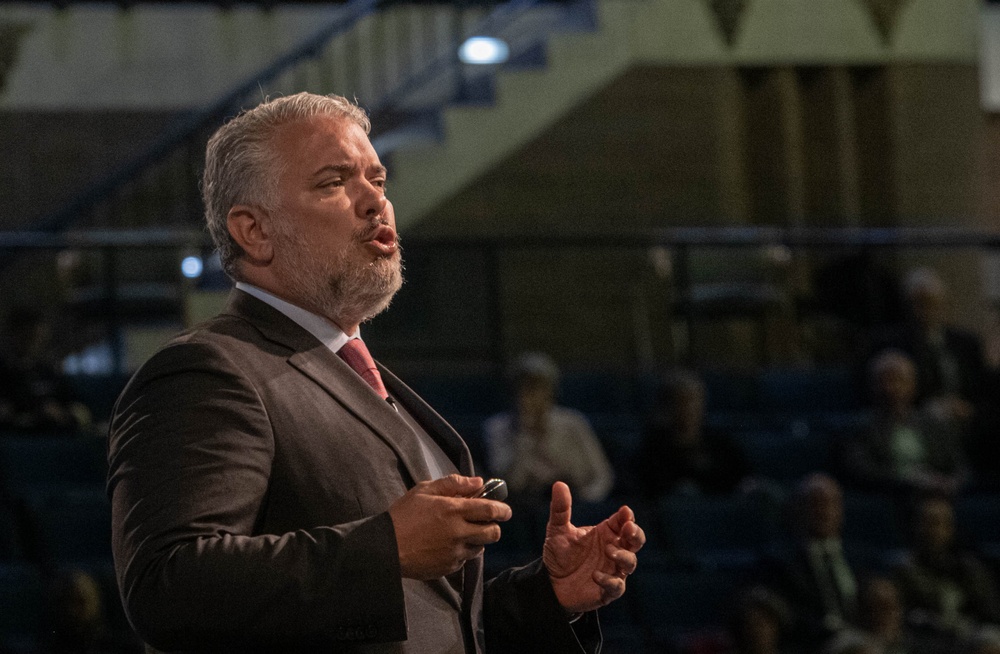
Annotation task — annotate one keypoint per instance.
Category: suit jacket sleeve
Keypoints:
(522, 614)
(190, 452)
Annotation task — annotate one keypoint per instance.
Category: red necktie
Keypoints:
(356, 355)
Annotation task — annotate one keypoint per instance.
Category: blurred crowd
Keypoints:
(927, 436)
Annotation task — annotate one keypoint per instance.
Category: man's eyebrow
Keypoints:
(348, 169)
(342, 169)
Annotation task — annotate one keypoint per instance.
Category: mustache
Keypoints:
(368, 231)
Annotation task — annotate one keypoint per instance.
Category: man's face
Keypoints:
(927, 304)
(824, 510)
(936, 525)
(896, 384)
(335, 247)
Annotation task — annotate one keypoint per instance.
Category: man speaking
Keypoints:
(274, 489)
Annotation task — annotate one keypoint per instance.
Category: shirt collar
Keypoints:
(325, 331)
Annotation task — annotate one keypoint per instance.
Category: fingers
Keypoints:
(476, 510)
(621, 518)
(632, 537)
(625, 562)
(561, 506)
(612, 587)
(450, 486)
(481, 535)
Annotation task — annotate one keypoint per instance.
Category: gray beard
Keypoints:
(340, 289)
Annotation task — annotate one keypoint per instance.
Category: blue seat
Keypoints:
(728, 392)
(726, 531)
(29, 465)
(874, 520)
(977, 518)
(802, 391)
(595, 392)
(21, 606)
(11, 534)
(72, 526)
(783, 456)
(671, 603)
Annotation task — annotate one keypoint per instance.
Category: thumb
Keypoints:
(561, 506)
(451, 486)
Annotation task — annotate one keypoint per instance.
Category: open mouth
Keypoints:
(383, 240)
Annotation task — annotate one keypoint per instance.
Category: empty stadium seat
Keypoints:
(784, 456)
(72, 526)
(30, 465)
(671, 603)
(728, 531)
(873, 519)
(21, 606)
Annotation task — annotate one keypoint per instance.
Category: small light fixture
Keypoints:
(483, 50)
(192, 267)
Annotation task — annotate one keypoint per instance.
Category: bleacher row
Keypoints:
(786, 420)
(56, 517)
(700, 549)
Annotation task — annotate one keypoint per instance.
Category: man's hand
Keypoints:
(588, 565)
(438, 527)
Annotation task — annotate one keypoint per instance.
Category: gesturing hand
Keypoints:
(588, 565)
(438, 528)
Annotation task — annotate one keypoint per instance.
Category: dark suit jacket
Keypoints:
(962, 345)
(792, 574)
(251, 471)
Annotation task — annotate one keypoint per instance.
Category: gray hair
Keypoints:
(923, 280)
(535, 366)
(241, 165)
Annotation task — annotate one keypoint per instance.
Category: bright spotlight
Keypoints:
(483, 50)
(191, 267)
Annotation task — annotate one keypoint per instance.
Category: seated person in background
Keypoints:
(851, 642)
(949, 361)
(944, 588)
(541, 443)
(901, 447)
(76, 618)
(815, 577)
(985, 642)
(759, 625)
(678, 453)
(881, 617)
(34, 394)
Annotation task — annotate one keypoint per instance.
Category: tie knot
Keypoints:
(356, 355)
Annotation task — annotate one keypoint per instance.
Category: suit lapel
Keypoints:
(317, 362)
(436, 426)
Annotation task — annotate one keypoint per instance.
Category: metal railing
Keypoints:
(365, 52)
(679, 244)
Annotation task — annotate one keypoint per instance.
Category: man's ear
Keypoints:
(250, 227)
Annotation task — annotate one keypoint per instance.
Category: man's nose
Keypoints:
(371, 201)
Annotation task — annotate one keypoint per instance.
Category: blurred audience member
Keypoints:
(678, 452)
(901, 447)
(34, 394)
(540, 443)
(949, 361)
(77, 619)
(986, 641)
(851, 642)
(759, 624)
(882, 618)
(815, 577)
(944, 588)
